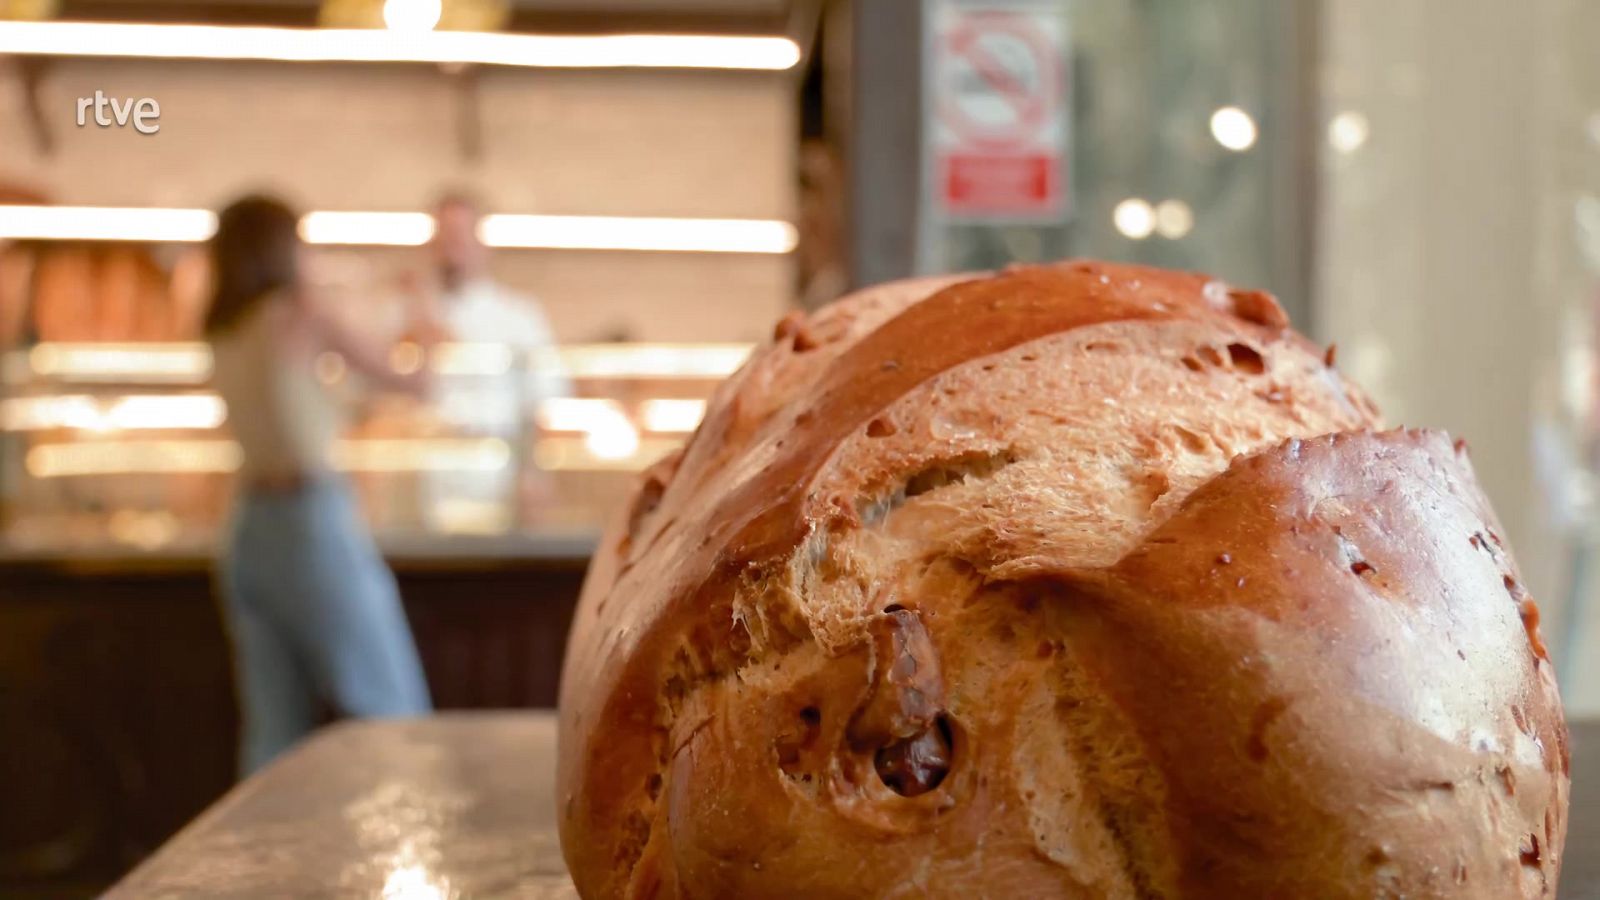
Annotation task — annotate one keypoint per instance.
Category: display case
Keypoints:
(117, 469)
(122, 448)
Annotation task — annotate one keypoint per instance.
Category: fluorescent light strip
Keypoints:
(638, 233)
(106, 223)
(177, 363)
(656, 51)
(409, 229)
(392, 229)
(179, 455)
(190, 363)
(83, 412)
(137, 412)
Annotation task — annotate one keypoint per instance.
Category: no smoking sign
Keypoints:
(998, 124)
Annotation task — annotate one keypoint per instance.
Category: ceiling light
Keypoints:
(103, 223)
(409, 229)
(1134, 218)
(662, 51)
(395, 229)
(1347, 131)
(1233, 128)
(1174, 219)
(638, 233)
(412, 15)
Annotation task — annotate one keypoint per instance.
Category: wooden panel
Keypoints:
(117, 705)
(492, 639)
(118, 715)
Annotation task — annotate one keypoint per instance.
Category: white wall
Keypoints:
(384, 137)
(1447, 267)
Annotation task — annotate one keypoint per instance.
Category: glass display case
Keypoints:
(117, 469)
(113, 443)
(122, 447)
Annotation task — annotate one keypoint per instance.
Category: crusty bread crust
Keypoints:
(1079, 580)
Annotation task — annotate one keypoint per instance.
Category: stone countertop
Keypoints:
(456, 805)
(463, 805)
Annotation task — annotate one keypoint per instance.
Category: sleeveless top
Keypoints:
(281, 414)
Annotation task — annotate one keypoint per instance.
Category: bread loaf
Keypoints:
(1080, 580)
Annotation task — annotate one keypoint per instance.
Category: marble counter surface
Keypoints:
(463, 805)
(457, 805)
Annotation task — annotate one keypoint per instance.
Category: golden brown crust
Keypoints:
(1011, 586)
(1364, 713)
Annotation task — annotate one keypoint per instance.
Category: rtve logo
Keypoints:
(143, 113)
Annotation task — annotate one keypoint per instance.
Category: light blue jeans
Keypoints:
(315, 616)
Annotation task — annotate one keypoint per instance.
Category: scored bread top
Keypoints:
(971, 475)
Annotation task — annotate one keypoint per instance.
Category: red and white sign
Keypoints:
(997, 128)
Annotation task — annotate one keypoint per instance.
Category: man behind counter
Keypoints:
(485, 397)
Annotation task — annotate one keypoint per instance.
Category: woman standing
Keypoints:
(312, 609)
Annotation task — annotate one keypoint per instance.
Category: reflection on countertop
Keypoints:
(465, 806)
(460, 805)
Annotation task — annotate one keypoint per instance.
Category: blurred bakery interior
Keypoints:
(668, 178)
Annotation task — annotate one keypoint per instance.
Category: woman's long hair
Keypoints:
(253, 254)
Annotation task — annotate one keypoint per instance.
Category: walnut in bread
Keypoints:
(1080, 580)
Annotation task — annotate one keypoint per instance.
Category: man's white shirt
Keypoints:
(507, 370)
(486, 398)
